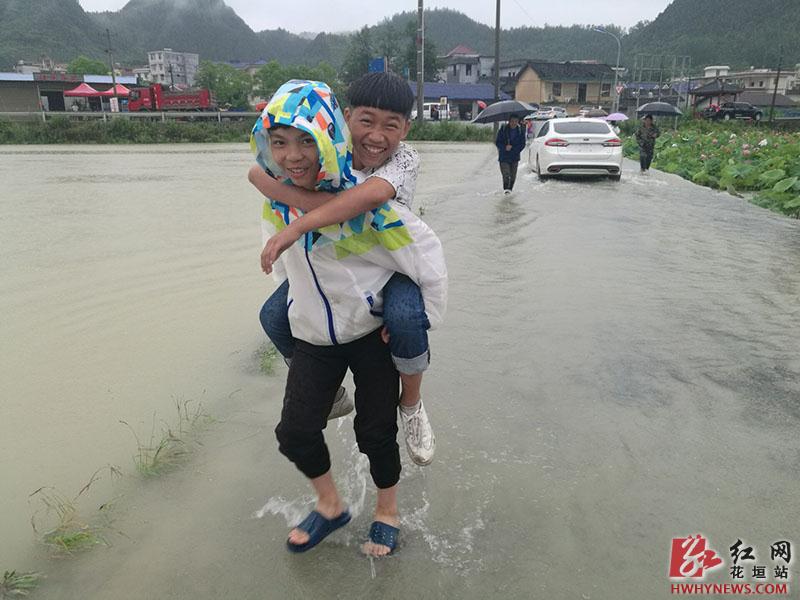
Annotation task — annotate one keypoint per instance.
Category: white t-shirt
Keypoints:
(400, 171)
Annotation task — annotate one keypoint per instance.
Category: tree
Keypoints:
(272, 75)
(409, 59)
(360, 51)
(83, 65)
(231, 86)
(269, 78)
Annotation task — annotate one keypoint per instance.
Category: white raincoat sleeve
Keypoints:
(422, 261)
(279, 274)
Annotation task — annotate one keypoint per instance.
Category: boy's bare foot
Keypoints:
(327, 510)
(370, 548)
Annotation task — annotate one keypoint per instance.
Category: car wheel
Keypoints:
(726, 117)
(758, 117)
(539, 170)
(616, 177)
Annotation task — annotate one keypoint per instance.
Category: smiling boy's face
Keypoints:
(376, 134)
(295, 152)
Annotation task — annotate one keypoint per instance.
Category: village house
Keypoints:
(565, 83)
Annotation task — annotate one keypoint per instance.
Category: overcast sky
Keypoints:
(347, 15)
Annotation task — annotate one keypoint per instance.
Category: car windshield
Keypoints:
(581, 127)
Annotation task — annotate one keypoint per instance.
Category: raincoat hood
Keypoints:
(312, 107)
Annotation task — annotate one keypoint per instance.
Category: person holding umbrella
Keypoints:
(646, 138)
(510, 142)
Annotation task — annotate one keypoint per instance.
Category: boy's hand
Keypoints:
(385, 335)
(508, 147)
(275, 246)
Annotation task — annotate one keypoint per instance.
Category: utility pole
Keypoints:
(775, 89)
(110, 51)
(420, 62)
(615, 103)
(497, 59)
(171, 78)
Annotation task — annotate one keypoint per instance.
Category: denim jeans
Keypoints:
(403, 314)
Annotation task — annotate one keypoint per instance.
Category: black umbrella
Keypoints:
(659, 109)
(504, 110)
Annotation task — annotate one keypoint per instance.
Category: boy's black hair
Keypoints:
(385, 91)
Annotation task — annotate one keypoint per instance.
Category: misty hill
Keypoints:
(208, 27)
(739, 33)
(735, 32)
(58, 28)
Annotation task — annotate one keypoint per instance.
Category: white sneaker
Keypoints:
(420, 441)
(342, 405)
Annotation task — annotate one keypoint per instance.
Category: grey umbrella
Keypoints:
(504, 110)
(659, 109)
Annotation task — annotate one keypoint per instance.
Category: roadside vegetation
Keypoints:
(58, 521)
(169, 445)
(746, 160)
(18, 585)
(62, 130)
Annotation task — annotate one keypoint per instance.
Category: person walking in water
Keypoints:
(510, 142)
(646, 138)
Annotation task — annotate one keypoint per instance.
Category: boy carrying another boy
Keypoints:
(336, 274)
(378, 119)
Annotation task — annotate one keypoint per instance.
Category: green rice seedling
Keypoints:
(267, 355)
(59, 524)
(163, 453)
(169, 447)
(17, 585)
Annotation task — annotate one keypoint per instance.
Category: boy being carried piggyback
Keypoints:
(386, 169)
(337, 276)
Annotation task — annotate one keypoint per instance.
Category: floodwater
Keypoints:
(620, 365)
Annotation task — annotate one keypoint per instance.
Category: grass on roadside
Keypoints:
(170, 445)
(267, 354)
(59, 524)
(17, 585)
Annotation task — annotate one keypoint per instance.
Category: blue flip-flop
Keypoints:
(318, 528)
(384, 535)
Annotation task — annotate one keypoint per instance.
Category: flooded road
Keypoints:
(619, 366)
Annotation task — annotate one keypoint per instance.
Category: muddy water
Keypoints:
(619, 367)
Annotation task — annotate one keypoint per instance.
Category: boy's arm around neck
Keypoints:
(297, 197)
(341, 207)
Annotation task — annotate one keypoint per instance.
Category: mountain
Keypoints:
(736, 32)
(58, 28)
(208, 27)
(739, 33)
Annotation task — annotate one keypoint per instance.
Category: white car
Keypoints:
(576, 146)
(548, 112)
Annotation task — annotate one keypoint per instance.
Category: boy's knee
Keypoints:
(406, 316)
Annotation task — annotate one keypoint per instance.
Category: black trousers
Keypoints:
(645, 156)
(509, 173)
(315, 375)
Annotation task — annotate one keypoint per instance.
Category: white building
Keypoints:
(764, 79)
(170, 67)
(753, 80)
(464, 65)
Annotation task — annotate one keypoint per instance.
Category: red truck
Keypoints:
(159, 97)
